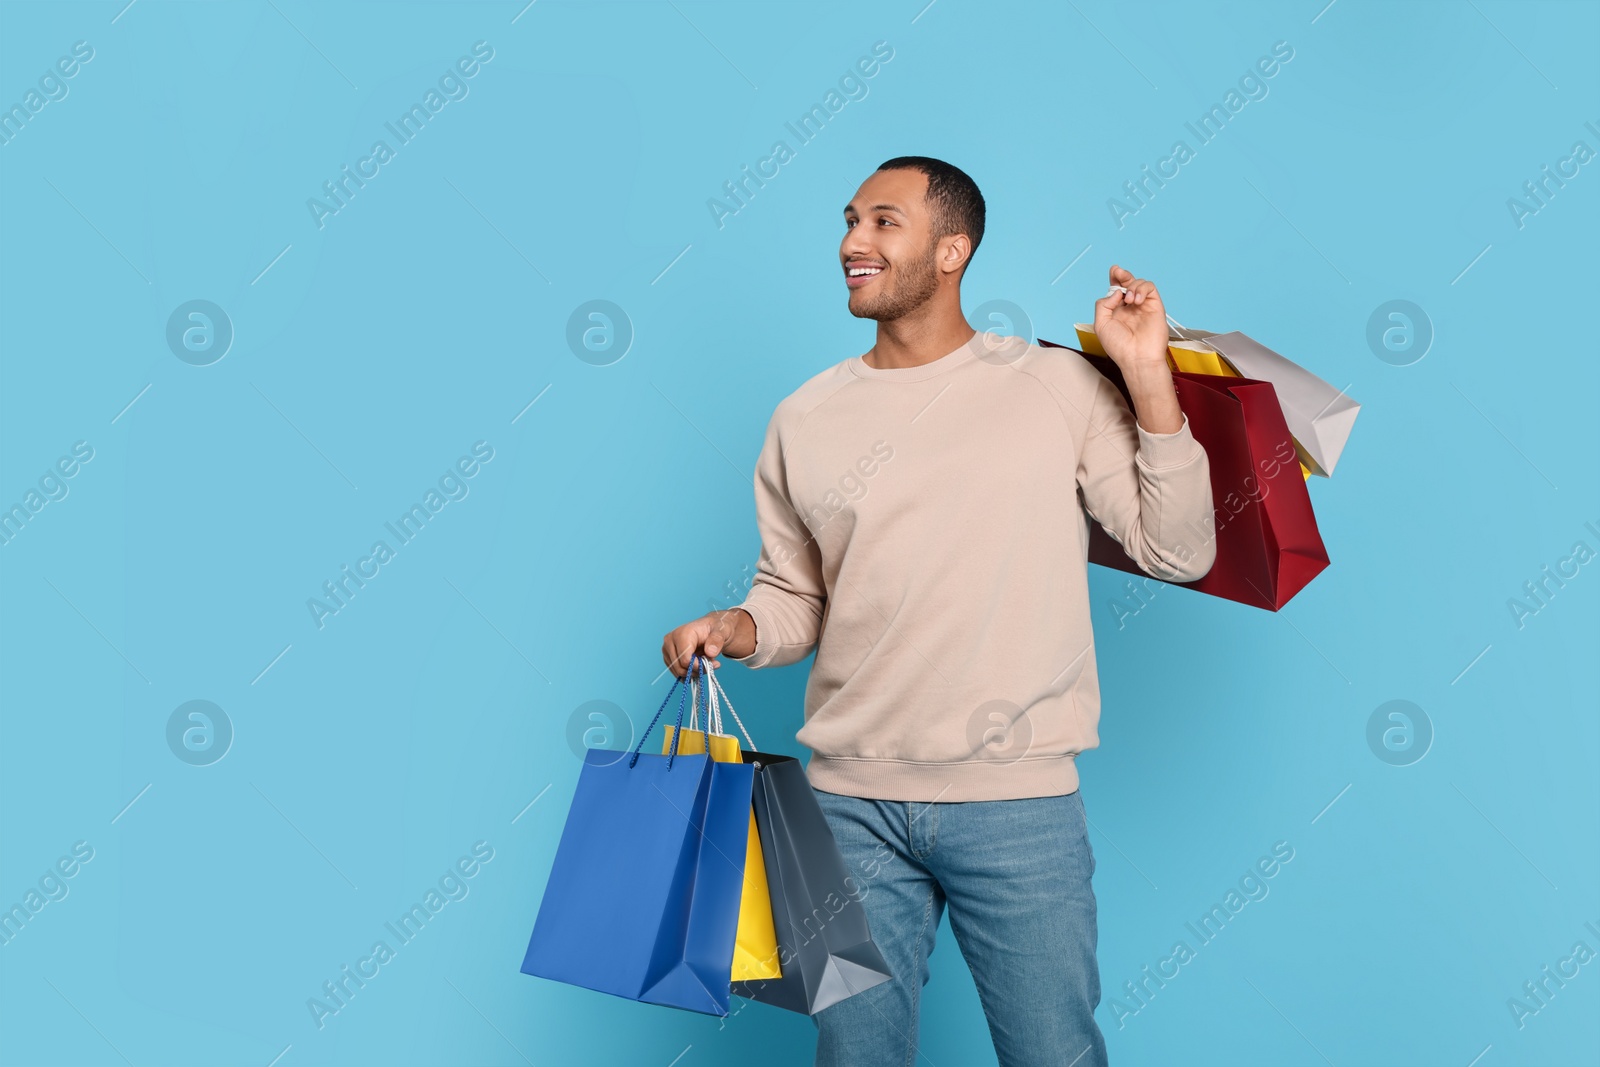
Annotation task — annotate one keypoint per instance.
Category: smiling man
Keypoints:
(954, 684)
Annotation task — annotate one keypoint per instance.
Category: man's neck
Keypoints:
(914, 340)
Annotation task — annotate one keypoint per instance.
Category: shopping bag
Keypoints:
(1319, 417)
(755, 952)
(643, 896)
(1268, 545)
(1190, 356)
(1181, 355)
(824, 943)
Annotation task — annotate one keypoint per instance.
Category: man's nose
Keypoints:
(854, 246)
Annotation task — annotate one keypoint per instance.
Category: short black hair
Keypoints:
(953, 198)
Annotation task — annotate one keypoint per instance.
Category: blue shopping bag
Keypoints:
(643, 896)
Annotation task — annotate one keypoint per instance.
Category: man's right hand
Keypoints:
(732, 631)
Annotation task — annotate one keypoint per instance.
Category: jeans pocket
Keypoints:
(1083, 828)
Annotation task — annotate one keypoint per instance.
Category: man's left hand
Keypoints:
(1132, 325)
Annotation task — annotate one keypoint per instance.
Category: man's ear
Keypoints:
(954, 251)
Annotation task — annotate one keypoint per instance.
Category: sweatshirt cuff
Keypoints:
(765, 647)
(1161, 450)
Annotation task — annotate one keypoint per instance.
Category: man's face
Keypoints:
(887, 227)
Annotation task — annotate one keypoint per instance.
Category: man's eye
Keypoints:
(888, 220)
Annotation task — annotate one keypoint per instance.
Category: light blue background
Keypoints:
(371, 753)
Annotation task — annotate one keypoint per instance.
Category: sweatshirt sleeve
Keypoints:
(1150, 491)
(787, 595)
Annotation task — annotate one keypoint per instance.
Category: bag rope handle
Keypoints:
(677, 734)
(716, 696)
(716, 686)
(694, 699)
(695, 693)
(713, 712)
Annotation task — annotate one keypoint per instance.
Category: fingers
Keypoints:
(697, 662)
(678, 651)
(721, 629)
(1131, 290)
(693, 646)
(1141, 289)
(1111, 301)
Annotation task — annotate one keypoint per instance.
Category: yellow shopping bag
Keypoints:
(1191, 357)
(755, 950)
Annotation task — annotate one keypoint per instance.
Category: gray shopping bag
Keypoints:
(1319, 416)
(825, 949)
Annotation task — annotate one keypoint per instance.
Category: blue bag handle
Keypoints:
(677, 734)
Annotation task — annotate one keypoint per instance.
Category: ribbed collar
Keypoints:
(960, 357)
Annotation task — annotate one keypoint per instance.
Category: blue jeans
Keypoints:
(1016, 875)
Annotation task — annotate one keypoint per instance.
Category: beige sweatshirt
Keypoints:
(925, 529)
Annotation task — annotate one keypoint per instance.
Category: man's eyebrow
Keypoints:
(879, 207)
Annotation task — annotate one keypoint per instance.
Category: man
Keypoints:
(924, 512)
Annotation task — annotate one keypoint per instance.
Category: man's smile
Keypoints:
(861, 272)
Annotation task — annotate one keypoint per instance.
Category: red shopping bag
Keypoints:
(1268, 546)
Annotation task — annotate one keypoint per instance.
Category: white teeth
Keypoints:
(856, 272)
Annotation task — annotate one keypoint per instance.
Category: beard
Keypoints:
(912, 286)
